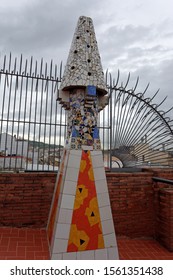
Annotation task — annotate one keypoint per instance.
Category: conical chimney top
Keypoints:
(83, 66)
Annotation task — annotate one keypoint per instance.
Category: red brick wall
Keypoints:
(163, 203)
(164, 220)
(132, 196)
(25, 200)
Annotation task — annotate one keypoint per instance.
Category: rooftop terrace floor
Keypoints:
(31, 244)
(142, 249)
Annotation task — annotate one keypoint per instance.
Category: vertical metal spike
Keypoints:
(4, 63)
(110, 80)
(113, 82)
(13, 119)
(60, 71)
(46, 85)
(41, 67)
(30, 114)
(56, 72)
(31, 66)
(9, 68)
(45, 71)
(41, 110)
(118, 76)
(20, 67)
(56, 78)
(3, 105)
(45, 118)
(36, 85)
(51, 69)
(8, 114)
(106, 78)
(26, 64)
(17, 81)
(35, 75)
(15, 63)
(7, 80)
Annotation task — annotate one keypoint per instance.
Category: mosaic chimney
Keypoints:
(80, 223)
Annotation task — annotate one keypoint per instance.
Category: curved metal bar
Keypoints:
(169, 110)
(118, 77)
(128, 79)
(137, 81)
(153, 121)
(152, 107)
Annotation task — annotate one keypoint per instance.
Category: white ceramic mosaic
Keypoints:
(83, 67)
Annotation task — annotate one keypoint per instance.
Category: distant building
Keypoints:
(17, 153)
(146, 154)
(11, 146)
(13, 151)
(7, 144)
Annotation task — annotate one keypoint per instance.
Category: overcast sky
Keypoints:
(133, 35)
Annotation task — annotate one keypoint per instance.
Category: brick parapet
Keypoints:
(164, 221)
(131, 196)
(136, 201)
(25, 199)
(163, 204)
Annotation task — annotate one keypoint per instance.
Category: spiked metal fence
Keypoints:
(133, 130)
(32, 124)
(141, 132)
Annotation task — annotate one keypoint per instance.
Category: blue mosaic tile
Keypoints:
(91, 90)
(96, 133)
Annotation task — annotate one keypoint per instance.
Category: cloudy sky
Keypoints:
(133, 35)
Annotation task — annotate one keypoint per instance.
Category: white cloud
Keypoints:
(133, 36)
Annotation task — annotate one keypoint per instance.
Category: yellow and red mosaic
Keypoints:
(86, 230)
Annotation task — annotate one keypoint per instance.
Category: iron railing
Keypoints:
(142, 133)
(32, 124)
(162, 180)
(133, 130)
